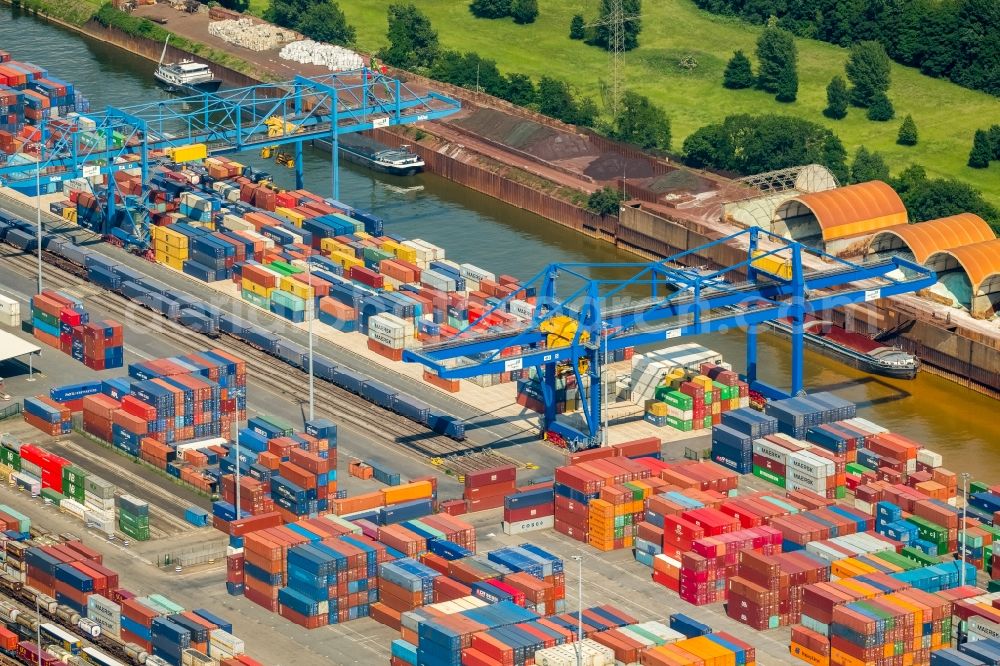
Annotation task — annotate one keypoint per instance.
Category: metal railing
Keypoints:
(10, 410)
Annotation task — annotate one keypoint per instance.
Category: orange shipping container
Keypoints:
(407, 492)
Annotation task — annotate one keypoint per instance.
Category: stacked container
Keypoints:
(487, 488)
(48, 416)
(530, 508)
(133, 517)
(101, 345)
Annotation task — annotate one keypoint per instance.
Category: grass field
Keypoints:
(946, 114)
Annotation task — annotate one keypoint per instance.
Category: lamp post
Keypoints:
(579, 614)
(311, 313)
(600, 381)
(38, 630)
(38, 217)
(965, 513)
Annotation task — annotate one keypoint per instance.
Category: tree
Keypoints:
(836, 99)
(995, 140)
(788, 85)
(776, 62)
(450, 67)
(982, 151)
(881, 108)
(868, 69)
(555, 98)
(520, 90)
(605, 201)
(576, 28)
(524, 11)
(412, 41)
(641, 123)
(746, 144)
(868, 166)
(930, 199)
(584, 113)
(631, 28)
(490, 9)
(739, 72)
(321, 20)
(325, 22)
(907, 132)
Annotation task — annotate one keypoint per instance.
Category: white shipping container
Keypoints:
(388, 340)
(585, 653)
(470, 272)
(10, 311)
(423, 255)
(530, 525)
(982, 629)
(770, 451)
(227, 641)
(663, 631)
(391, 324)
(866, 425)
(929, 458)
(236, 223)
(437, 280)
(435, 253)
(522, 309)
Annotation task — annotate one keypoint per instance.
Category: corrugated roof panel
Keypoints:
(946, 233)
(855, 210)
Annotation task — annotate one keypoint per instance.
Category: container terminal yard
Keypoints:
(187, 484)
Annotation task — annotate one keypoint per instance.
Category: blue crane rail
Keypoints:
(231, 121)
(665, 302)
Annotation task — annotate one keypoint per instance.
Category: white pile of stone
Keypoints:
(335, 58)
(250, 34)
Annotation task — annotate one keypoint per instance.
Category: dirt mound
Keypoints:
(609, 166)
(530, 137)
(681, 180)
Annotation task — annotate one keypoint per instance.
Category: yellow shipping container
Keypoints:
(401, 251)
(69, 214)
(709, 651)
(255, 288)
(189, 153)
(362, 234)
(656, 408)
(329, 245)
(773, 264)
(174, 238)
(175, 263)
(407, 492)
(346, 260)
(292, 216)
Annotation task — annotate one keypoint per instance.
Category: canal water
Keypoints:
(477, 229)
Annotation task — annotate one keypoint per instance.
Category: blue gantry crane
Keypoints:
(225, 122)
(579, 324)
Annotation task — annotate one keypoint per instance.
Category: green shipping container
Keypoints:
(137, 533)
(53, 496)
(919, 556)
(46, 317)
(707, 421)
(284, 268)
(768, 476)
(677, 424)
(840, 492)
(857, 468)
(255, 299)
(931, 532)
(287, 428)
(10, 458)
(674, 398)
(74, 483)
(979, 487)
(126, 518)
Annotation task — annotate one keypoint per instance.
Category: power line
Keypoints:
(615, 23)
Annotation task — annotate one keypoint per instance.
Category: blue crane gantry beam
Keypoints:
(658, 302)
(228, 121)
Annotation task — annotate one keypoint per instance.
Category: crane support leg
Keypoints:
(549, 395)
(752, 332)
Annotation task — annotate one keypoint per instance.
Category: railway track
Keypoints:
(280, 378)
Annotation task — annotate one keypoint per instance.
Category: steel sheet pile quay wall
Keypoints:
(60, 321)
(604, 497)
(285, 474)
(72, 585)
(75, 491)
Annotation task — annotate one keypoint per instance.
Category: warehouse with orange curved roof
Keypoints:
(842, 220)
(979, 263)
(923, 239)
